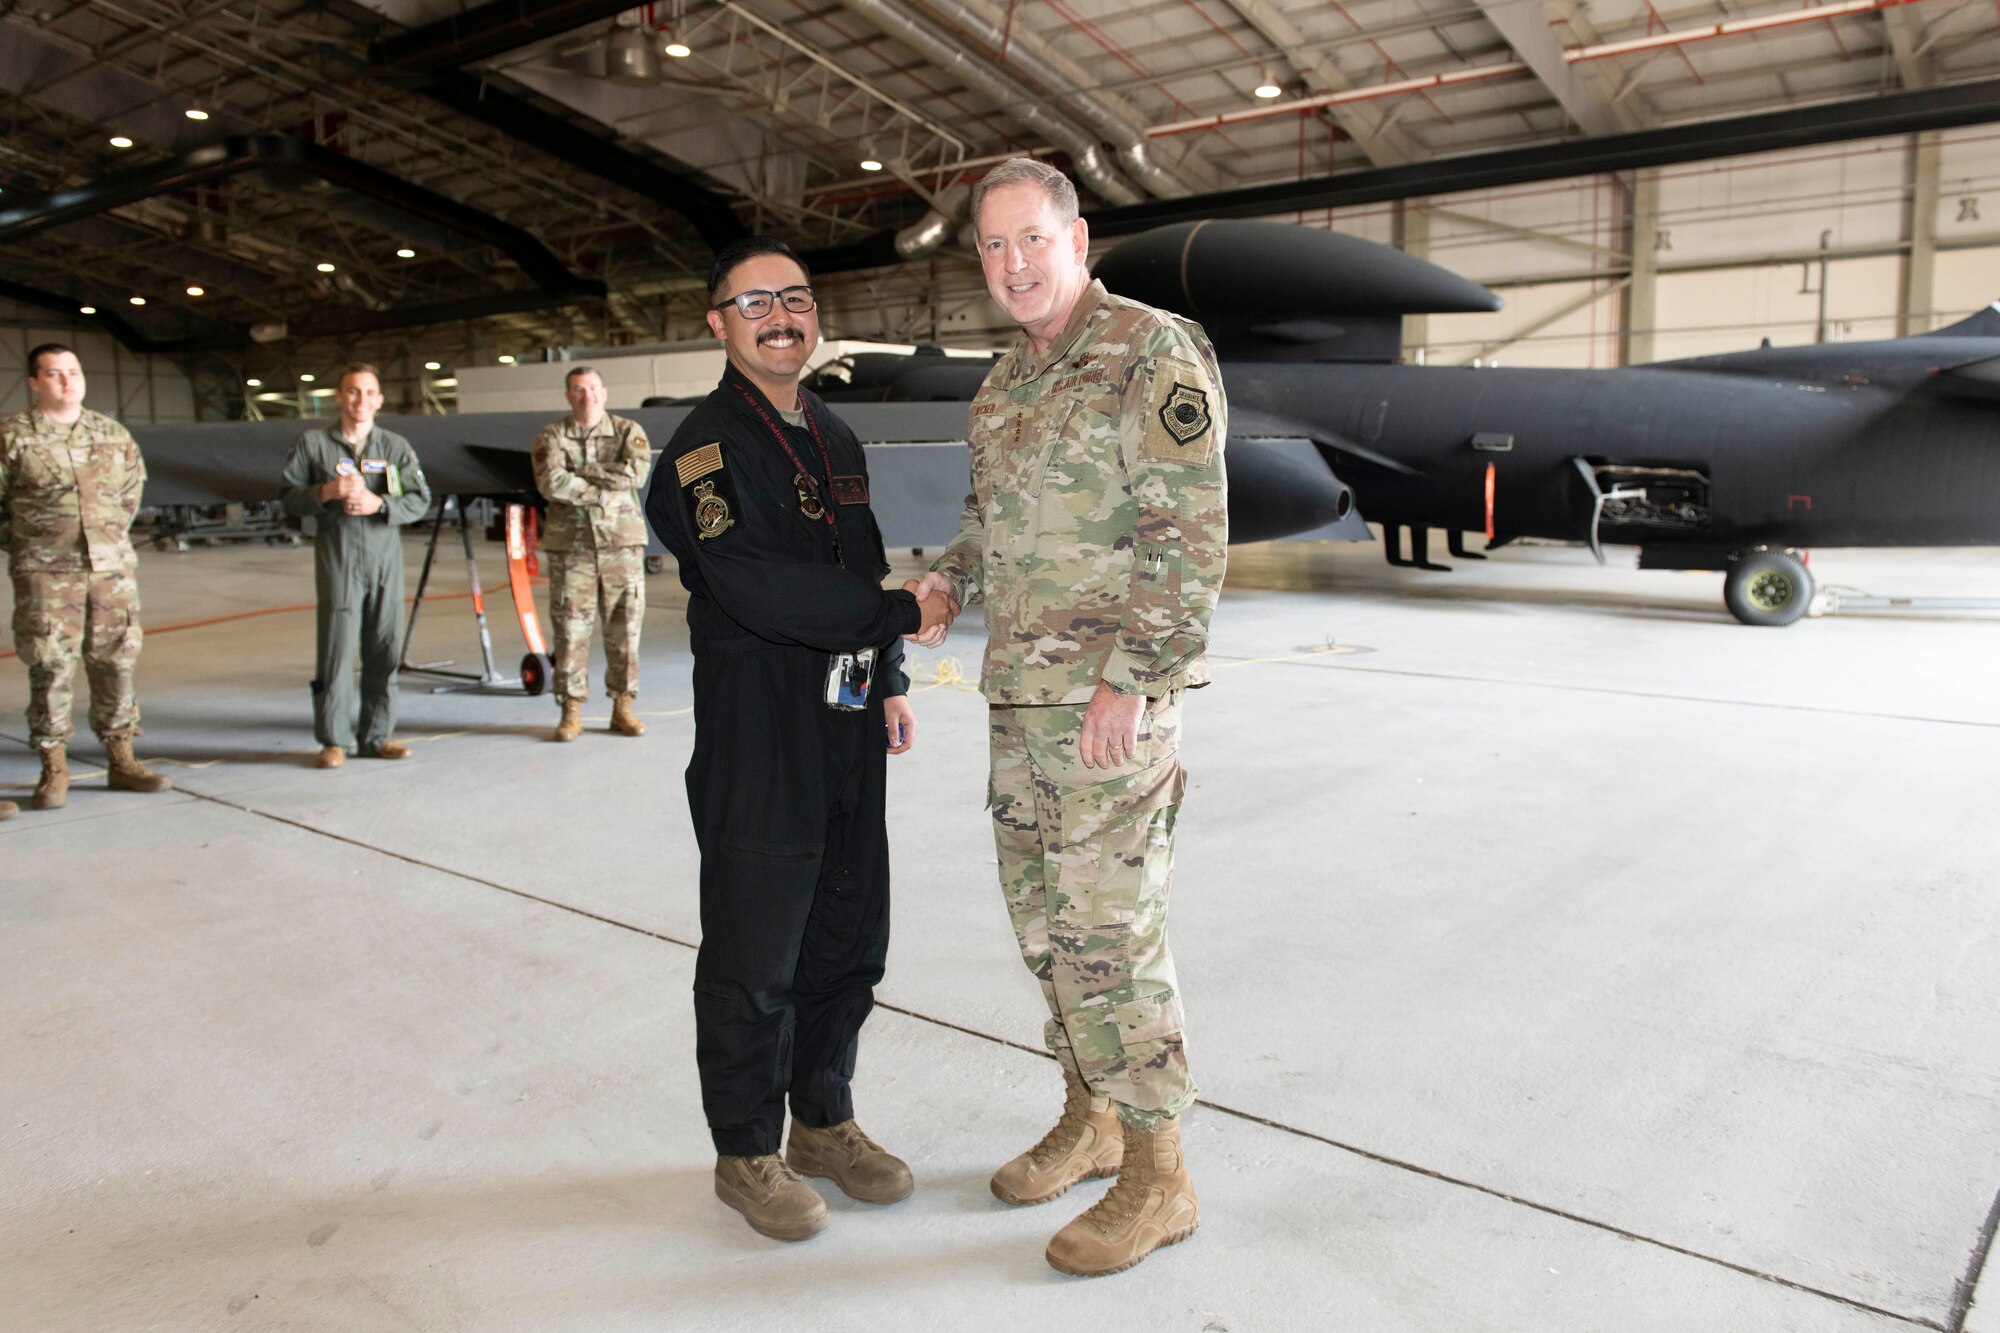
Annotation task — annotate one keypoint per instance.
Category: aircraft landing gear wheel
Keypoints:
(536, 669)
(1771, 588)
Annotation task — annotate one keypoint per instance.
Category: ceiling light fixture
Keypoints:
(406, 253)
(255, 384)
(506, 360)
(196, 113)
(305, 379)
(137, 300)
(120, 141)
(1269, 87)
(433, 365)
(324, 267)
(870, 164)
(86, 310)
(679, 50)
(630, 58)
(196, 291)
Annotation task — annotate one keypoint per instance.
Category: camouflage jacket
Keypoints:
(68, 493)
(591, 481)
(1098, 525)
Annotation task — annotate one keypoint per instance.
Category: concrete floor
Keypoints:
(1560, 956)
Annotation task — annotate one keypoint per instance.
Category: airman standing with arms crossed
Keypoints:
(362, 484)
(590, 466)
(70, 482)
(1096, 532)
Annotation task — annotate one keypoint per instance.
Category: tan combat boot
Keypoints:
(127, 773)
(330, 756)
(52, 792)
(385, 750)
(571, 725)
(1150, 1207)
(771, 1197)
(1086, 1143)
(623, 720)
(841, 1153)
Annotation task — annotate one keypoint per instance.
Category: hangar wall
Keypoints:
(1737, 249)
(142, 390)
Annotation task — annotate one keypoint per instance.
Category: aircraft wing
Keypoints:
(1280, 484)
(1970, 379)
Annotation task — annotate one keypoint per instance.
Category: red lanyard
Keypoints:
(798, 463)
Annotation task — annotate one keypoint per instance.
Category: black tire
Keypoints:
(1769, 588)
(536, 671)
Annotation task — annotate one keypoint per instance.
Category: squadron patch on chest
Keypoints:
(851, 490)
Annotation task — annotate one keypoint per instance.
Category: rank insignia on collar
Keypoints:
(1185, 413)
(711, 512)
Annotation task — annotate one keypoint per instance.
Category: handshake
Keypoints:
(939, 607)
(353, 494)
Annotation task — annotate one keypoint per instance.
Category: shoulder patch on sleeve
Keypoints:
(708, 491)
(1180, 422)
(698, 463)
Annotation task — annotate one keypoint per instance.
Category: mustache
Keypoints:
(785, 332)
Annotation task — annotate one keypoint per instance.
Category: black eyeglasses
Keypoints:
(757, 304)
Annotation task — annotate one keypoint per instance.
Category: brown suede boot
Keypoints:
(1086, 1143)
(571, 725)
(771, 1197)
(52, 792)
(841, 1153)
(1150, 1207)
(623, 720)
(127, 773)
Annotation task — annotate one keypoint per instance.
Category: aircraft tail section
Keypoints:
(1980, 324)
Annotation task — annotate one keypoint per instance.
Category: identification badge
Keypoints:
(848, 676)
(345, 468)
(374, 465)
(395, 480)
(851, 490)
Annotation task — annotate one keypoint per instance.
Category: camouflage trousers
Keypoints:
(583, 585)
(61, 617)
(1086, 861)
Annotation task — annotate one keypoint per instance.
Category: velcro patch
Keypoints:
(698, 463)
(851, 490)
(1182, 429)
(710, 496)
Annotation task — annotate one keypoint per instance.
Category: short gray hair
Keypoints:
(580, 370)
(1027, 171)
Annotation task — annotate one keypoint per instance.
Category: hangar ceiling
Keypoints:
(626, 142)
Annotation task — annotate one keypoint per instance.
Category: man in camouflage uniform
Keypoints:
(1095, 532)
(590, 466)
(362, 484)
(70, 481)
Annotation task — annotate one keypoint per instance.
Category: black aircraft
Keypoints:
(1735, 463)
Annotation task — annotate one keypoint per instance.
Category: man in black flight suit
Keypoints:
(763, 499)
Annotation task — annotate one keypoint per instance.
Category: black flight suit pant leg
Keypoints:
(788, 812)
(846, 942)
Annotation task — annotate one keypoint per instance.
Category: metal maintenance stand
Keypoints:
(536, 668)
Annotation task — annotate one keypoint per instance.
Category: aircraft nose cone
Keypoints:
(1280, 489)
